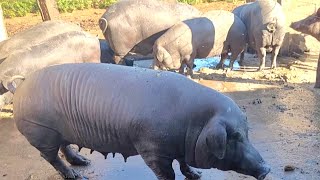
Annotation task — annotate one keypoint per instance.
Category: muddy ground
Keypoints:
(281, 104)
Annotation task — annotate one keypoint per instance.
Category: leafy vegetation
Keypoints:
(17, 8)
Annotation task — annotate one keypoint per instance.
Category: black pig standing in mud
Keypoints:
(68, 47)
(311, 26)
(215, 33)
(89, 105)
(35, 35)
(265, 23)
(134, 25)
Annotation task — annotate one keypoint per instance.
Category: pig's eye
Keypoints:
(237, 136)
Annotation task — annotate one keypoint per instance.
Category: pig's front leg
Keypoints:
(160, 165)
(188, 171)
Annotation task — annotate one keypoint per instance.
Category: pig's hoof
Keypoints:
(79, 160)
(192, 174)
(220, 66)
(70, 174)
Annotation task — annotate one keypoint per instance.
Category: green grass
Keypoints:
(18, 8)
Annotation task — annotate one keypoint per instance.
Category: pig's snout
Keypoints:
(263, 171)
(294, 25)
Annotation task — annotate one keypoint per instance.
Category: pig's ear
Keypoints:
(103, 24)
(318, 12)
(217, 141)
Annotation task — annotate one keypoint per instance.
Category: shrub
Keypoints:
(18, 8)
(102, 4)
(71, 5)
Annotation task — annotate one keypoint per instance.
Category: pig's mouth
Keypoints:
(264, 174)
(260, 175)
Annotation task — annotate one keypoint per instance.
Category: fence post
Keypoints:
(3, 31)
(48, 9)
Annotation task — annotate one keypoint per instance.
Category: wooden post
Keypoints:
(317, 84)
(48, 9)
(3, 31)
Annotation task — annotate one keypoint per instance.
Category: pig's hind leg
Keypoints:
(220, 65)
(275, 52)
(72, 157)
(48, 142)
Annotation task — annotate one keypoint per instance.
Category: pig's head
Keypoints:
(163, 60)
(224, 144)
(310, 25)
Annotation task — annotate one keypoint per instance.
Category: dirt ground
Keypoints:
(281, 104)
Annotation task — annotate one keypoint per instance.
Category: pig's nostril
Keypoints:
(264, 173)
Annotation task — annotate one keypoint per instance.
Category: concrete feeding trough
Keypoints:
(210, 62)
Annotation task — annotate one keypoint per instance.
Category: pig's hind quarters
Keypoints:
(48, 141)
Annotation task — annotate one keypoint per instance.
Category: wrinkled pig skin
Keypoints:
(311, 26)
(134, 25)
(69, 47)
(215, 33)
(35, 35)
(265, 23)
(161, 120)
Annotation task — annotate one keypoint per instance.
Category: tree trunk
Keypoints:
(3, 31)
(48, 9)
(317, 84)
